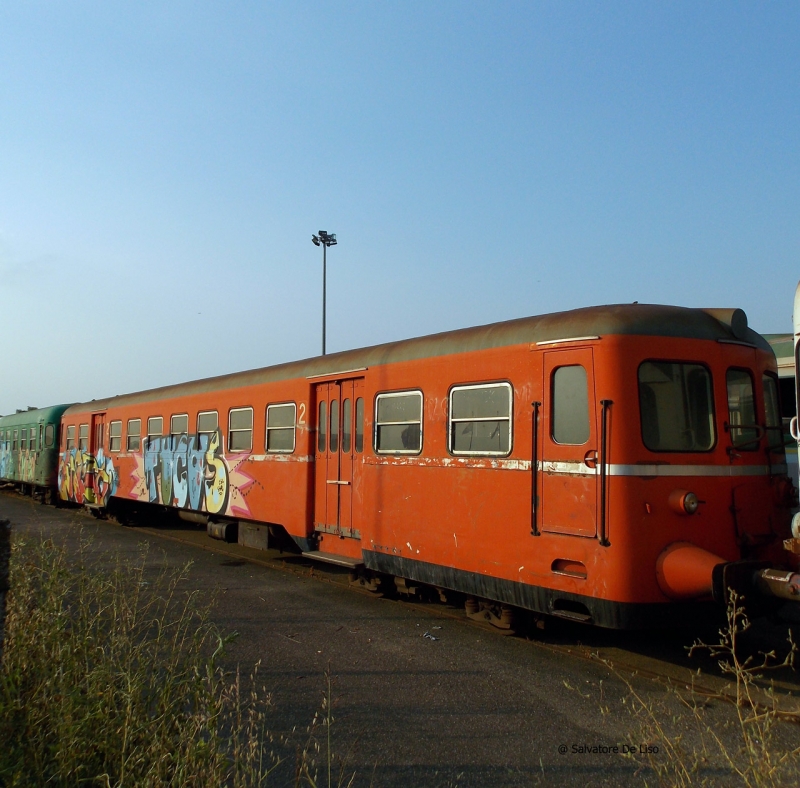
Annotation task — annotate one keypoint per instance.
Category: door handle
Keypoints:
(336, 481)
(590, 458)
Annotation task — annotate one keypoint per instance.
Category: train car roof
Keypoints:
(33, 415)
(597, 321)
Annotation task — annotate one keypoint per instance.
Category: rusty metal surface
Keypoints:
(620, 319)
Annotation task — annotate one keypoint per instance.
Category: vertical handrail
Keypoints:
(605, 404)
(534, 467)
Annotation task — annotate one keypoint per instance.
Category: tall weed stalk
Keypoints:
(752, 741)
(110, 676)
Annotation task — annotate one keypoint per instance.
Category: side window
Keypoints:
(360, 425)
(134, 434)
(480, 419)
(49, 436)
(23, 438)
(155, 427)
(70, 443)
(83, 437)
(280, 428)
(179, 425)
(32, 439)
(240, 429)
(742, 410)
(207, 422)
(398, 423)
(570, 412)
(115, 436)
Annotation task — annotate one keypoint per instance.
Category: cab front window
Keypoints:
(742, 421)
(676, 406)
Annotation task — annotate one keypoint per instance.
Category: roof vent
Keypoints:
(734, 319)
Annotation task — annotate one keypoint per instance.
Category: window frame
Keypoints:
(376, 424)
(755, 443)
(172, 418)
(69, 441)
(111, 435)
(781, 442)
(49, 442)
(82, 437)
(206, 413)
(152, 434)
(231, 431)
(293, 428)
(510, 418)
(712, 400)
(137, 436)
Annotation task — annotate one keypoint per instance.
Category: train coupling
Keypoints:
(685, 571)
(746, 577)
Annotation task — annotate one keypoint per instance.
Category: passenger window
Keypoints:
(32, 439)
(772, 412)
(155, 427)
(676, 406)
(240, 429)
(70, 442)
(360, 425)
(83, 437)
(322, 424)
(398, 423)
(334, 444)
(346, 426)
(280, 428)
(134, 434)
(570, 410)
(179, 425)
(742, 410)
(115, 436)
(49, 436)
(23, 439)
(207, 422)
(480, 419)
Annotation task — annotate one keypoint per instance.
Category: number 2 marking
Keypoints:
(301, 418)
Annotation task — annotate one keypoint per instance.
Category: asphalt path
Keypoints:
(420, 697)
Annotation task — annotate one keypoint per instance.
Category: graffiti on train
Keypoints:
(19, 468)
(191, 472)
(86, 478)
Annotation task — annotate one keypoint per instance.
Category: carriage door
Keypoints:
(570, 477)
(96, 438)
(337, 486)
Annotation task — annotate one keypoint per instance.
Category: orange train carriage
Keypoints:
(615, 464)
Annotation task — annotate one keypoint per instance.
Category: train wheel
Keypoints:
(501, 617)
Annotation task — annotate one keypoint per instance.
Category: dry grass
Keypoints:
(110, 676)
(699, 740)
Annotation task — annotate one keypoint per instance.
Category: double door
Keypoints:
(340, 442)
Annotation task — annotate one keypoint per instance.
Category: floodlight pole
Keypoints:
(324, 290)
(324, 239)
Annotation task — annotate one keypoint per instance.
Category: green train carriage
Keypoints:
(29, 449)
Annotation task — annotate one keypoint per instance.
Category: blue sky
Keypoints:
(163, 166)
